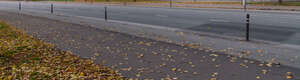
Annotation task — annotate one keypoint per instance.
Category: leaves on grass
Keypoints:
(22, 57)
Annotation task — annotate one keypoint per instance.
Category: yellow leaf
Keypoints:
(214, 59)
(174, 50)
(169, 56)
(141, 55)
(173, 69)
(257, 77)
(81, 74)
(289, 75)
(9, 77)
(195, 73)
(190, 62)
(148, 44)
(213, 79)
(138, 75)
(264, 72)
(260, 51)
(109, 78)
(180, 33)
(97, 54)
(185, 71)
(214, 74)
(215, 55)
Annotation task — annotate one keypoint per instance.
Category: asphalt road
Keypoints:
(270, 26)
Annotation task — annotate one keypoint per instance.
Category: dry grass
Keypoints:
(289, 3)
(212, 2)
(23, 57)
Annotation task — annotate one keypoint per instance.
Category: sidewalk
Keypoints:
(143, 58)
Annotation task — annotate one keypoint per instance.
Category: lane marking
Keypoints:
(159, 15)
(124, 12)
(218, 20)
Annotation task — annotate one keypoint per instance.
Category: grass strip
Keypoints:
(285, 3)
(23, 57)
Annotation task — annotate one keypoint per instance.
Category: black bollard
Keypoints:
(105, 13)
(20, 6)
(51, 8)
(247, 27)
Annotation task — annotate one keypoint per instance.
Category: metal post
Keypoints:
(20, 6)
(247, 26)
(263, 2)
(170, 3)
(105, 13)
(51, 8)
(124, 3)
(245, 5)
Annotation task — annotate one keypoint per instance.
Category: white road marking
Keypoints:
(218, 20)
(159, 15)
(124, 13)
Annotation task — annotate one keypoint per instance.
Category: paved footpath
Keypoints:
(142, 58)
